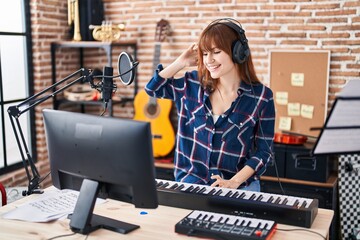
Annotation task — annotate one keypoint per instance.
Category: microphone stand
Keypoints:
(16, 111)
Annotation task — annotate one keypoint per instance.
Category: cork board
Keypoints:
(299, 81)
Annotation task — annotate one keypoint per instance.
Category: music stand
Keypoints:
(341, 131)
(341, 136)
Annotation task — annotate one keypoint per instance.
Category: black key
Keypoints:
(228, 194)
(277, 200)
(189, 189)
(212, 191)
(235, 195)
(242, 195)
(202, 190)
(252, 197)
(174, 186)
(259, 198)
(218, 192)
(265, 226)
(180, 187)
(164, 185)
(196, 189)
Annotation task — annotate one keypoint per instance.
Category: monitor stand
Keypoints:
(84, 221)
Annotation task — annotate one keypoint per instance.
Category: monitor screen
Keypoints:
(100, 156)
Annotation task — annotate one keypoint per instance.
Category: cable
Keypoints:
(104, 111)
(299, 229)
(261, 130)
(61, 236)
(44, 177)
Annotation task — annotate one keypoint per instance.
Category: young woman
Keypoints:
(225, 115)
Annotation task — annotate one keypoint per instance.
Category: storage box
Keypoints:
(301, 165)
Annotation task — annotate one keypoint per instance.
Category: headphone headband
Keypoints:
(240, 48)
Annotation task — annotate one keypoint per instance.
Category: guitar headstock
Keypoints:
(162, 30)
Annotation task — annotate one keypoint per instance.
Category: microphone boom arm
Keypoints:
(16, 111)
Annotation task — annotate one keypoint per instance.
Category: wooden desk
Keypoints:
(157, 224)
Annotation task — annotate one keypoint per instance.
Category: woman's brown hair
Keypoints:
(221, 36)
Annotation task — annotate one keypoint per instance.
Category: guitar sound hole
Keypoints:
(152, 110)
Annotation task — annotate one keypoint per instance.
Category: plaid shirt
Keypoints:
(234, 141)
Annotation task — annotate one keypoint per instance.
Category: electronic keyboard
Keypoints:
(284, 209)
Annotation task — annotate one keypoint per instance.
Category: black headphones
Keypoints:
(240, 48)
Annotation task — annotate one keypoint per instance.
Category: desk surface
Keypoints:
(157, 224)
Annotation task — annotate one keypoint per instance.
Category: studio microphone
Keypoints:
(127, 71)
(126, 68)
(107, 84)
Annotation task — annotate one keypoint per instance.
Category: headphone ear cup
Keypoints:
(240, 52)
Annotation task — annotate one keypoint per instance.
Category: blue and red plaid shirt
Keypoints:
(234, 141)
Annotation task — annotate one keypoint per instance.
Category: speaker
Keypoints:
(91, 13)
(240, 48)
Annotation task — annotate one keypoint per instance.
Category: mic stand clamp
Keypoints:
(15, 112)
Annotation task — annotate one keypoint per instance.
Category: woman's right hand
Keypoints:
(190, 56)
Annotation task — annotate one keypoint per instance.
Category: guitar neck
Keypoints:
(156, 61)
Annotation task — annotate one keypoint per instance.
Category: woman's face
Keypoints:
(218, 63)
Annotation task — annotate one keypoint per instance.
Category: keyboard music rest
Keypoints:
(281, 213)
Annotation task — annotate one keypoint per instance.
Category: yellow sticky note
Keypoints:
(307, 111)
(281, 98)
(297, 79)
(293, 109)
(285, 123)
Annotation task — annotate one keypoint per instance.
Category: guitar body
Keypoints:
(157, 113)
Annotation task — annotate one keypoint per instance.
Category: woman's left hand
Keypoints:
(220, 182)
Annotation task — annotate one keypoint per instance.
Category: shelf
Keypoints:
(331, 182)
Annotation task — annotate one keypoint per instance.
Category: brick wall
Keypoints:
(269, 24)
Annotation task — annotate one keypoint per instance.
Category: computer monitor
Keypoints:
(102, 157)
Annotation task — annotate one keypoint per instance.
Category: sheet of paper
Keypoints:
(50, 206)
(307, 111)
(345, 113)
(281, 98)
(338, 141)
(285, 123)
(294, 109)
(297, 79)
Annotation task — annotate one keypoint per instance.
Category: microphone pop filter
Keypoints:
(126, 68)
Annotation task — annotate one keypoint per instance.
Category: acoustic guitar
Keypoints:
(157, 111)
